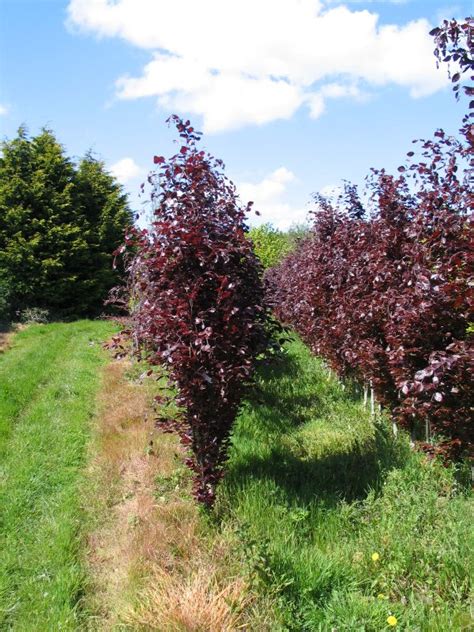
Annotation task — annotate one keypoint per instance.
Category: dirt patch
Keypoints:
(4, 344)
(7, 335)
(152, 566)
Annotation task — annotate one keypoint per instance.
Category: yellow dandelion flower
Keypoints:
(391, 620)
(380, 596)
(375, 557)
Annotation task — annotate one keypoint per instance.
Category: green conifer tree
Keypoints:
(59, 226)
(100, 199)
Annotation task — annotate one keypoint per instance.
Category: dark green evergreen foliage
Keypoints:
(59, 225)
(104, 205)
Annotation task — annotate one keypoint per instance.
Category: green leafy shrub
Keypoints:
(272, 245)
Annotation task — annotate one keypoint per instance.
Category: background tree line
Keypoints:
(60, 222)
(271, 244)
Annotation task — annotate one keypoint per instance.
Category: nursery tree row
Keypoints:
(379, 287)
(382, 288)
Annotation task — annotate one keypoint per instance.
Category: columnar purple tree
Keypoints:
(198, 301)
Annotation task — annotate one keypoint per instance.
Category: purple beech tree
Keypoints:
(385, 293)
(198, 301)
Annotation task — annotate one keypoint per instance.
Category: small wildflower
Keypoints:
(375, 557)
(380, 596)
(391, 620)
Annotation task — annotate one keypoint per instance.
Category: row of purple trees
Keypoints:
(383, 290)
(382, 293)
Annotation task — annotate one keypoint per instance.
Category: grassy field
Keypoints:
(343, 526)
(48, 382)
(324, 522)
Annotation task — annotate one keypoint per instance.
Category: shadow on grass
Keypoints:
(273, 400)
(283, 401)
(348, 475)
(279, 385)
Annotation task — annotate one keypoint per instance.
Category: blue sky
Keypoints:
(293, 95)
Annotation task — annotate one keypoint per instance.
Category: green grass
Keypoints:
(315, 487)
(48, 382)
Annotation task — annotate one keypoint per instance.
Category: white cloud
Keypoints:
(243, 62)
(226, 101)
(125, 170)
(268, 197)
(317, 100)
(3, 110)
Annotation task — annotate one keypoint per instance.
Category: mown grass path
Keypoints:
(48, 382)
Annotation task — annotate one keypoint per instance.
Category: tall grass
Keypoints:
(48, 382)
(343, 526)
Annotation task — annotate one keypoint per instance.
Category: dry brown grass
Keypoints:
(152, 565)
(194, 602)
(6, 337)
(4, 344)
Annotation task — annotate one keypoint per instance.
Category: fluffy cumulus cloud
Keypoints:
(3, 110)
(125, 170)
(268, 197)
(242, 62)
